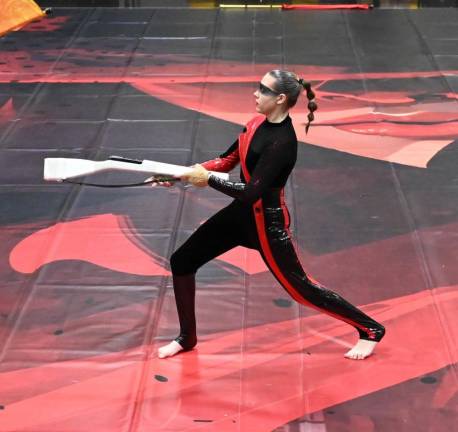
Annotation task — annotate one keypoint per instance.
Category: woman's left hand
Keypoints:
(197, 177)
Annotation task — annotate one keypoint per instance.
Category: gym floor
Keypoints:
(86, 295)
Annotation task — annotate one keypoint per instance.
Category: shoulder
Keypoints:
(286, 133)
(289, 127)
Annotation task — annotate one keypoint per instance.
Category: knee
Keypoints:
(311, 290)
(181, 264)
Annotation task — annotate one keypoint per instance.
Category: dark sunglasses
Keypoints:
(267, 91)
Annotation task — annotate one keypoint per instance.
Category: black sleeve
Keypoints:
(270, 164)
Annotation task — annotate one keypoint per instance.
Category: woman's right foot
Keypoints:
(169, 350)
(361, 350)
(366, 345)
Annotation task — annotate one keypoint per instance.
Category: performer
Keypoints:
(258, 217)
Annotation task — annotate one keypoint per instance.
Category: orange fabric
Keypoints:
(14, 14)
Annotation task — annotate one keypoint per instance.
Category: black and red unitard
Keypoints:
(258, 219)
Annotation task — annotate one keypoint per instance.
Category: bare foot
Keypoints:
(361, 350)
(169, 350)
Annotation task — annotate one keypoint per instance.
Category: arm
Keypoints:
(225, 162)
(270, 164)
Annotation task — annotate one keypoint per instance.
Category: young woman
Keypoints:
(258, 217)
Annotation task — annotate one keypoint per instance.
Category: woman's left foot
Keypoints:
(169, 350)
(362, 349)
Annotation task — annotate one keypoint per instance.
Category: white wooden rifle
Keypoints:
(64, 169)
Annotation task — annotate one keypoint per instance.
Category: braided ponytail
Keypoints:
(312, 106)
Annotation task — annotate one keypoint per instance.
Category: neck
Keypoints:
(277, 116)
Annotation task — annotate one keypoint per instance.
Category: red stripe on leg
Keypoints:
(260, 225)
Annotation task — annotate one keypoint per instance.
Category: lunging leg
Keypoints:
(216, 236)
(280, 256)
